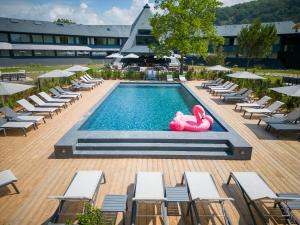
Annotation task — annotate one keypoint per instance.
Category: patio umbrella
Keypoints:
(7, 89)
(293, 91)
(218, 68)
(56, 74)
(131, 56)
(77, 68)
(245, 75)
(115, 56)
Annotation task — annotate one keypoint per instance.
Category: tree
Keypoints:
(64, 21)
(217, 58)
(256, 40)
(184, 26)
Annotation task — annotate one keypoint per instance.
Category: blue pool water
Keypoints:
(142, 107)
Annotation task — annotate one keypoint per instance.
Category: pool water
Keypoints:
(142, 107)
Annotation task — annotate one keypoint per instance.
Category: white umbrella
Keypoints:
(115, 56)
(245, 75)
(7, 89)
(218, 68)
(56, 74)
(131, 56)
(77, 68)
(293, 91)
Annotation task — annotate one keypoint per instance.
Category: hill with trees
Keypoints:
(264, 10)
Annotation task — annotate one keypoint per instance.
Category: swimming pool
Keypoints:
(143, 107)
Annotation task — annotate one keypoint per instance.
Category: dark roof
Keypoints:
(44, 27)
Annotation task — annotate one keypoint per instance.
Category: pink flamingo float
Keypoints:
(197, 123)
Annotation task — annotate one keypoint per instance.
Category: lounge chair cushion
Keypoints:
(149, 186)
(7, 177)
(255, 187)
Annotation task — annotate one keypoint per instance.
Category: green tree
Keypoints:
(64, 21)
(184, 26)
(256, 40)
(217, 58)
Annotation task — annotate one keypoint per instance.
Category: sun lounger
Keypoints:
(279, 128)
(291, 117)
(49, 99)
(238, 98)
(92, 78)
(170, 78)
(81, 86)
(84, 187)
(182, 78)
(56, 94)
(149, 189)
(31, 108)
(40, 103)
(86, 81)
(19, 117)
(16, 125)
(227, 84)
(237, 93)
(217, 81)
(6, 178)
(225, 91)
(65, 92)
(255, 190)
(80, 82)
(273, 108)
(258, 104)
(202, 188)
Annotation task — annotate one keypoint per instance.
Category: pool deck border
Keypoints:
(240, 149)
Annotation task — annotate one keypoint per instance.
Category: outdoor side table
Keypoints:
(115, 204)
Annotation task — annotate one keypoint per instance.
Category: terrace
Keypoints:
(40, 174)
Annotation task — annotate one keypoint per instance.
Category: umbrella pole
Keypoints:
(3, 100)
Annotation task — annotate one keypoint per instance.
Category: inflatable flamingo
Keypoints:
(197, 123)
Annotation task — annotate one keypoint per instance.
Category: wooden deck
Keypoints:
(41, 175)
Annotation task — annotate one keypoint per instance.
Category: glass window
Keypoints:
(83, 40)
(144, 32)
(100, 41)
(61, 39)
(112, 41)
(97, 54)
(3, 37)
(22, 53)
(4, 53)
(25, 38)
(43, 53)
(71, 41)
(37, 38)
(83, 53)
(65, 53)
(144, 40)
(48, 39)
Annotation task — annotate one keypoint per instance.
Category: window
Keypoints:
(83, 53)
(3, 37)
(144, 32)
(98, 54)
(22, 53)
(65, 53)
(23, 38)
(48, 39)
(112, 41)
(61, 39)
(71, 41)
(4, 53)
(37, 38)
(83, 40)
(144, 40)
(100, 41)
(43, 53)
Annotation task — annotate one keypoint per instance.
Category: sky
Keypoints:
(81, 11)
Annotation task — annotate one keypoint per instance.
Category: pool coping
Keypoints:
(240, 148)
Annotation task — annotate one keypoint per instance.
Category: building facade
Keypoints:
(24, 42)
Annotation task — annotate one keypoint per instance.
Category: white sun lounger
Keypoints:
(266, 111)
(258, 104)
(202, 188)
(254, 189)
(92, 78)
(223, 86)
(84, 187)
(16, 125)
(80, 86)
(225, 91)
(6, 178)
(170, 78)
(89, 81)
(41, 103)
(182, 78)
(215, 82)
(49, 99)
(31, 108)
(149, 189)
(65, 92)
(58, 95)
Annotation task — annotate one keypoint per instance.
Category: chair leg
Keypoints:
(15, 187)
(24, 131)
(229, 178)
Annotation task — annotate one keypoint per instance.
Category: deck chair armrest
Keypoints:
(149, 200)
(215, 199)
(77, 198)
(284, 199)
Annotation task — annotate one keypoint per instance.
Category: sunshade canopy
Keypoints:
(12, 88)
(56, 74)
(115, 56)
(77, 68)
(293, 91)
(217, 68)
(131, 56)
(245, 75)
